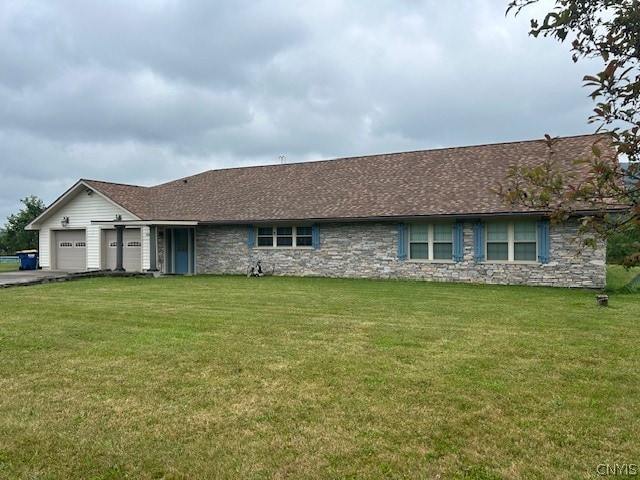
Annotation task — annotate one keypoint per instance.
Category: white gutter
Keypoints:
(146, 223)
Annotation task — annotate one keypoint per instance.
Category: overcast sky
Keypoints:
(147, 91)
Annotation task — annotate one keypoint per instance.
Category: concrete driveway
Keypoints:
(29, 276)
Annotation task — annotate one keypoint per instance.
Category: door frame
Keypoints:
(170, 249)
(56, 246)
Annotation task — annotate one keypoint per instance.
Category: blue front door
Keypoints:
(181, 243)
(180, 250)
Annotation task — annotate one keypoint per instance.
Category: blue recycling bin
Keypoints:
(28, 259)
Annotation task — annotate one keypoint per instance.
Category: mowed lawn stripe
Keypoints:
(233, 377)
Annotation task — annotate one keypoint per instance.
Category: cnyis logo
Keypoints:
(611, 469)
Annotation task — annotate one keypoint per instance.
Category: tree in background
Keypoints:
(14, 237)
(608, 30)
(621, 245)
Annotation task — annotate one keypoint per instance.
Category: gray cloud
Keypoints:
(147, 91)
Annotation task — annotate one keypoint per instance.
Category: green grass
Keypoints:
(231, 377)
(622, 280)
(9, 266)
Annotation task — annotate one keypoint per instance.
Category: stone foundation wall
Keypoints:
(369, 250)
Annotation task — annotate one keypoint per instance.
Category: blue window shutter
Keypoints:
(458, 241)
(403, 233)
(544, 241)
(478, 241)
(315, 236)
(251, 237)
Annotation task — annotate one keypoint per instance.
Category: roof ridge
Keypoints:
(112, 183)
(375, 155)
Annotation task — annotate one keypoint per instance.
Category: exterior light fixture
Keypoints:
(65, 221)
(118, 217)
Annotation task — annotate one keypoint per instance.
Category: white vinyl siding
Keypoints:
(146, 248)
(44, 250)
(81, 210)
(93, 247)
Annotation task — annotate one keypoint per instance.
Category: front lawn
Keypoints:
(243, 378)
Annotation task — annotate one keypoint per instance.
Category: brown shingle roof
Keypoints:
(451, 181)
(132, 197)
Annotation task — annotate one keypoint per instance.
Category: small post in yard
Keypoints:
(602, 300)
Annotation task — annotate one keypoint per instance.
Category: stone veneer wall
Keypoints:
(369, 250)
(160, 263)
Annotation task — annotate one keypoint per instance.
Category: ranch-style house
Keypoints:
(426, 215)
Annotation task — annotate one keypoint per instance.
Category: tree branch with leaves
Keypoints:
(608, 30)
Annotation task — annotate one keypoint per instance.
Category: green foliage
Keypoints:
(14, 237)
(608, 30)
(623, 245)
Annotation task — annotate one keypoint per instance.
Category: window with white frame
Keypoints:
(304, 237)
(431, 241)
(512, 241)
(265, 236)
(284, 237)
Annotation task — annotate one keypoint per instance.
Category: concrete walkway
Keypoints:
(35, 277)
(29, 277)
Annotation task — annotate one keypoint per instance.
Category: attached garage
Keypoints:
(131, 252)
(71, 250)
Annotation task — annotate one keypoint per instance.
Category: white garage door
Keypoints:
(131, 253)
(71, 250)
